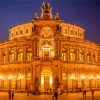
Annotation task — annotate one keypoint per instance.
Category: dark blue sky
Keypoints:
(85, 13)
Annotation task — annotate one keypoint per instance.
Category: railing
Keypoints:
(46, 58)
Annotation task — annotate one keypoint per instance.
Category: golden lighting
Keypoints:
(1, 77)
(50, 80)
(10, 77)
(98, 77)
(42, 80)
(46, 47)
(20, 77)
(91, 77)
(82, 76)
(73, 77)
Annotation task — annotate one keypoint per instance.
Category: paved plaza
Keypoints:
(70, 96)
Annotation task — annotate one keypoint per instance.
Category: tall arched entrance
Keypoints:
(46, 79)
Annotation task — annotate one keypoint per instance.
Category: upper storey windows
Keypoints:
(19, 31)
(69, 30)
(4, 55)
(11, 56)
(27, 30)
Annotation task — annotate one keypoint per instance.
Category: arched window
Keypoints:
(4, 57)
(81, 56)
(20, 55)
(72, 55)
(88, 57)
(64, 54)
(94, 57)
(29, 54)
(11, 56)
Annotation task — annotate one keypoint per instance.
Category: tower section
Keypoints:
(46, 11)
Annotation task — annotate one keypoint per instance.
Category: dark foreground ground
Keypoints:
(70, 96)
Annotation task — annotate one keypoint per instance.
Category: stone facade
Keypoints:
(48, 53)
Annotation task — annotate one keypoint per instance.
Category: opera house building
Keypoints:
(47, 53)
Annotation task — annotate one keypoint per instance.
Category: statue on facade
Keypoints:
(35, 16)
(46, 11)
(57, 17)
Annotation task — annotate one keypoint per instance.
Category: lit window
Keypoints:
(4, 57)
(80, 34)
(21, 31)
(75, 32)
(27, 30)
(11, 56)
(16, 32)
(65, 30)
(94, 59)
(72, 55)
(64, 54)
(12, 34)
(20, 55)
(88, 57)
(71, 32)
(29, 55)
(81, 56)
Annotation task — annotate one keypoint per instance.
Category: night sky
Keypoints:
(85, 13)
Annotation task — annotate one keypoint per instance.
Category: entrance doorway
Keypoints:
(46, 54)
(46, 80)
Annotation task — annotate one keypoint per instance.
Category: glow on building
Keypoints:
(48, 53)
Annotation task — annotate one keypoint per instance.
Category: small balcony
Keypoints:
(46, 59)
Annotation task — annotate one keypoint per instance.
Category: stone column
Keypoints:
(77, 53)
(55, 74)
(68, 53)
(59, 49)
(34, 48)
(34, 73)
(15, 54)
(1, 56)
(55, 47)
(98, 56)
(85, 54)
(24, 53)
(37, 48)
(7, 55)
(25, 71)
(60, 74)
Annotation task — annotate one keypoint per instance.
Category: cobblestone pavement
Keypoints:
(70, 96)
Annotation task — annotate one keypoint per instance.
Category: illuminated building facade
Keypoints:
(47, 53)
